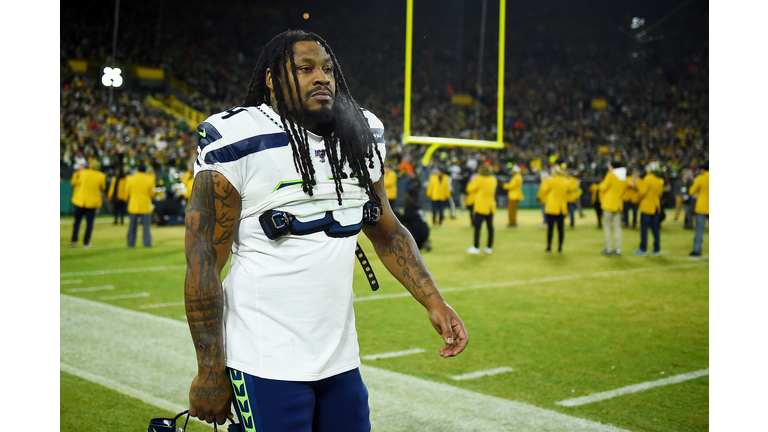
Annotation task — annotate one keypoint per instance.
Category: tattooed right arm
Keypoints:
(211, 219)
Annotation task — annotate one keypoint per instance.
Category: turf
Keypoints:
(569, 324)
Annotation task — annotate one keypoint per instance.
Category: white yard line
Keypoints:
(482, 373)
(97, 288)
(633, 388)
(125, 296)
(71, 281)
(539, 280)
(393, 354)
(119, 271)
(153, 359)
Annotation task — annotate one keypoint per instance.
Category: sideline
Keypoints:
(152, 359)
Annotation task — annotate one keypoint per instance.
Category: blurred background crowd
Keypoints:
(583, 85)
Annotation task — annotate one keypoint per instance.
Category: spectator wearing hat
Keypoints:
(701, 188)
(88, 185)
(556, 191)
(514, 194)
(611, 191)
(649, 189)
(140, 190)
(439, 190)
(484, 188)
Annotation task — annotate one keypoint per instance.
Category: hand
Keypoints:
(210, 397)
(450, 326)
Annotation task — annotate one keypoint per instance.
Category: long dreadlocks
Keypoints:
(348, 140)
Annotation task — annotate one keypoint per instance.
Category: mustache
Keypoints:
(315, 90)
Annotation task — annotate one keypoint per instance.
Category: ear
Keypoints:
(269, 79)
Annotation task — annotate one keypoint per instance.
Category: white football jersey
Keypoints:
(288, 311)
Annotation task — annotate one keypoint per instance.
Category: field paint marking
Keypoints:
(71, 281)
(119, 271)
(137, 350)
(98, 288)
(393, 354)
(129, 391)
(125, 296)
(538, 280)
(478, 374)
(161, 305)
(633, 388)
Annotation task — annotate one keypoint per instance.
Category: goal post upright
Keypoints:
(436, 142)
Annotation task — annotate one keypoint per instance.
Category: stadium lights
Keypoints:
(112, 77)
(637, 22)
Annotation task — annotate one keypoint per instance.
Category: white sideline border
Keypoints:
(137, 350)
(633, 388)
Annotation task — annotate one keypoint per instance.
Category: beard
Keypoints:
(323, 115)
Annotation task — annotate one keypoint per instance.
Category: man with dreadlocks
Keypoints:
(285, 183)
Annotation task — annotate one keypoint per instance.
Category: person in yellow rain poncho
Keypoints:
(141, 191)
(514, 194)
(700, 187)
(439, 190)
(556, 191)
(649, 189)
(89, 183)
(484, 188)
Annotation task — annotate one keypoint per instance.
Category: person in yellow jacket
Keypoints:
(611, 191)
(88, 185)
(542, 196)
(118, 194)
(390, 184)
(574, 195)
(439, 190)
(514, 194)
(649, 189)
(484, 189)
(556, 191)
(700, 187)
(140, 190)
(631, 202)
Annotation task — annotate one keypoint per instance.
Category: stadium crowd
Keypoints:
(574, 93)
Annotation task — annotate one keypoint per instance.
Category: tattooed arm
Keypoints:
(398, 251)
(211, 219)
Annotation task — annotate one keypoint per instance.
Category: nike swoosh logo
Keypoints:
(202, 133)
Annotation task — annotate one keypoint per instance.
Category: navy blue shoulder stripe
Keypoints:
(243, 148)
(208, 134)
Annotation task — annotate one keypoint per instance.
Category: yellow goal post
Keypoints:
(437, 142)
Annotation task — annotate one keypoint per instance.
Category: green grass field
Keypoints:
(568, 325)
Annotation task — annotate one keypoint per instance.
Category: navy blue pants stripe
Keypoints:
(335, 404)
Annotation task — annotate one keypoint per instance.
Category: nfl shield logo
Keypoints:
(321, 155)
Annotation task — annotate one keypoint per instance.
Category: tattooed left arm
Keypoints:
(398, 252)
